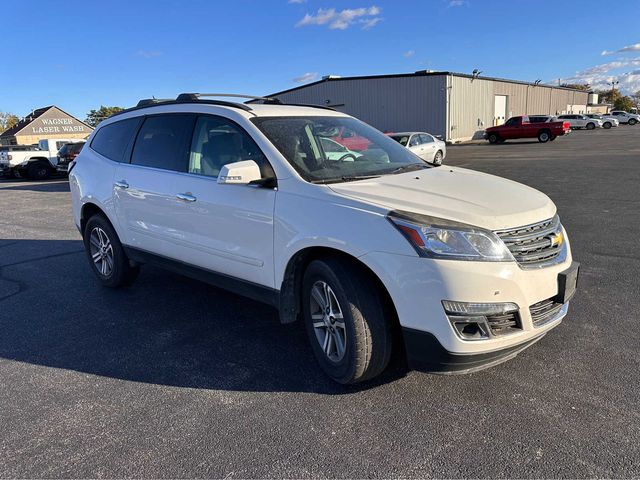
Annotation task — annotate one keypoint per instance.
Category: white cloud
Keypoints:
(599, 76)
(297, 1)
(148, 53)
(457, 3)
(629, 48)
(367, 17)
(307, 77)
(409, 53)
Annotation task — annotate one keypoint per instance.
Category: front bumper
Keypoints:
(418, 286)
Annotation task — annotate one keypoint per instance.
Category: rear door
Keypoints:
(429, 146)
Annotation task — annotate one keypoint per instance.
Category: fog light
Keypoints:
(469, 320)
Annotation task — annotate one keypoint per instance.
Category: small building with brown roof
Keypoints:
(46, 122)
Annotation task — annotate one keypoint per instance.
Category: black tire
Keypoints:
(38, 171)
(437, 158)
(632, 121)
(606, 125)
(121, 272)
(544, 136)
(493, 138)
(367, 333)
(591, 126)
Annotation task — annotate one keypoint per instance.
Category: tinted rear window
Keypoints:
(162, 142)
(112, 140)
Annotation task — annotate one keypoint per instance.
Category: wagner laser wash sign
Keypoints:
(47, 122)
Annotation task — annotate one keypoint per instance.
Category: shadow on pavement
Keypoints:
(52, 186)
(166, 329)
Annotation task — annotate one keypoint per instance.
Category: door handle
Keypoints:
(186, 197)
(121, 184)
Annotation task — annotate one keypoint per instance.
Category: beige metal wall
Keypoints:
(472, 103)
(391, 104)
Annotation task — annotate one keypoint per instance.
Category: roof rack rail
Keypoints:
(196, 96)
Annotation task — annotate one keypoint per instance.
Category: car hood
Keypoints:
(456, 194)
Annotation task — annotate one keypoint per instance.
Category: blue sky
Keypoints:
(116, 52)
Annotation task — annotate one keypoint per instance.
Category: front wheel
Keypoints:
(591, 126)
(632, 121)
(544, 137)
(493, 138)
(345, 321)
(437, 159)
(106, 256)
(607, 125)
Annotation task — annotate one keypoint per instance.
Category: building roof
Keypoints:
(420, 73)
(25, 121)
(37, 113)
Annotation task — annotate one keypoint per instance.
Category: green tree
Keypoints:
(94, 117)
(7, 120)
(608, 96)
(623, 103)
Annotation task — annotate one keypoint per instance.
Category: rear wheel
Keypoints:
(106, 256)
(437, 159)
(493, 138)
(591, 126)
(607, 125)
(345, 322)
(544, 136)
(38, 171)
(632, 121)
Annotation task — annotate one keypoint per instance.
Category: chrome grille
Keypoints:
(504, 324)
(533, 245)
(544, 311)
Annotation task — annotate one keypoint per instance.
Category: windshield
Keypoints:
(401, 139)
(336, 149)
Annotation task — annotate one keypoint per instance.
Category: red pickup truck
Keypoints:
(541, 127)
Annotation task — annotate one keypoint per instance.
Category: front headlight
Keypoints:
(439, 238)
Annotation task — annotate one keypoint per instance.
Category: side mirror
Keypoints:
(240, 173)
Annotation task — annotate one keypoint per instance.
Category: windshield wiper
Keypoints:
(409, 168)
(345, 178)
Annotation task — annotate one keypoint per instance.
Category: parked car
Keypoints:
(543, 128)
(607, 121)
(429, 148)
(577, 121)
(467, 268)
(350, 140)
(67, 154)
(37, 163)
(7, 154)
(625, 117)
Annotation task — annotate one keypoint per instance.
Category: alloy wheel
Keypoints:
(328, 321)
(101, 251)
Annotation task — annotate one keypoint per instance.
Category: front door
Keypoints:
(172, 205)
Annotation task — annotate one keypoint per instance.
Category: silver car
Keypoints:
(607, 120)
(428, 147)
(576, 120)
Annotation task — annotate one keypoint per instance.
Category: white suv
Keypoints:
(625, 117)
(470, 268)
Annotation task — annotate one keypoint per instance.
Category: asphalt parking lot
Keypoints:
(174, 378)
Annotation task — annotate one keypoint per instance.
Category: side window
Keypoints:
(162, 142)
(511, 122)
(415, 141)
(329, 145)
(424, 138)
(112, 140)
(217, 142)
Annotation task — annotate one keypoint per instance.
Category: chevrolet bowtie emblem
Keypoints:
(557, 239)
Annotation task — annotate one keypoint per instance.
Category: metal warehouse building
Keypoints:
(455, 105)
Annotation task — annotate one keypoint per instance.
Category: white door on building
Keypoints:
(500, 110)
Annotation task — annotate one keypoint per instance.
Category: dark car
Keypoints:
(67, 154)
